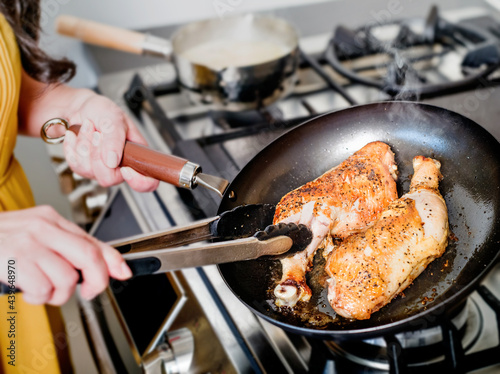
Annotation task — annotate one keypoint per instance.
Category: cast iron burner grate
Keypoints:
(405, 65)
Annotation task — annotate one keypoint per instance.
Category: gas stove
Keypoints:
(189, 321)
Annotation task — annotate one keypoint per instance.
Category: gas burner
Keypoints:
(419, 348)
(406, 58)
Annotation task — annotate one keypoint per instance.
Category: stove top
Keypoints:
(223, 142)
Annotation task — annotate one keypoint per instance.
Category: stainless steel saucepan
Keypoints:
(236, 63)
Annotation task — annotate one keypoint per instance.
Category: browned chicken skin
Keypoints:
(370, 268)
(344, 200)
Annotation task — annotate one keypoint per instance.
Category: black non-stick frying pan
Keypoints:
(470, 159)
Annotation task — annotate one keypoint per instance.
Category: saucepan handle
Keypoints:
(146, 161)
(113, 37)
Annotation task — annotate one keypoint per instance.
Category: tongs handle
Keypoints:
(169, 259)
(240, 222)
(175, 237)
(275, 240)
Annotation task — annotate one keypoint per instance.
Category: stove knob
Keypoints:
(182, 343)
(173, 356)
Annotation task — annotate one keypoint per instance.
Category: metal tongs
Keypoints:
(238, 234)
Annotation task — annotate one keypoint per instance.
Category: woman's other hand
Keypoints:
(48, 249)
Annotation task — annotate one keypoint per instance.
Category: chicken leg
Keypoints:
(344, 200)
(370, 268)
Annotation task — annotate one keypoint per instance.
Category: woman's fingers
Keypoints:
(113, 130)
(103, 174)
(69, 146)
(48, 250)
(116, 265)
(138, 182)
(83, 254)
(62, 277)
(78, 149)
(111, 143)
(96, 260)
(133, 134)
(97, 151)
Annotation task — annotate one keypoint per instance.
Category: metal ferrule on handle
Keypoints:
(155, 46)
(187, 175)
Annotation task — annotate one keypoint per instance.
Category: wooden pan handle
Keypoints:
(100, 34)
(148, 162)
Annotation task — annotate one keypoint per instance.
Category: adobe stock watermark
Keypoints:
(50, 9)
(392, 9)
(474, 100)
(225, 7)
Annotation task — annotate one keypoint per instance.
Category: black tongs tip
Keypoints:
(300, 234)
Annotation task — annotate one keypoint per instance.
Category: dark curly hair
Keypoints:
(24, 18)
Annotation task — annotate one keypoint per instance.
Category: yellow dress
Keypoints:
(39, 342)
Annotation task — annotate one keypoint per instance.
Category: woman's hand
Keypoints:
(97, 150)
(48, 249)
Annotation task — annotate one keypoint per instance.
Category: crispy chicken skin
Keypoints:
(344, 200)
(370, 268)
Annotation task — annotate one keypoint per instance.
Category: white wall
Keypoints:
(137, 14)
(147, 13)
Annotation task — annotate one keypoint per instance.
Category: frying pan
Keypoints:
(236, 63)
(470, 159)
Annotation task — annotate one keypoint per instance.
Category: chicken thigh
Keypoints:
(344, 200)
(370, 268)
